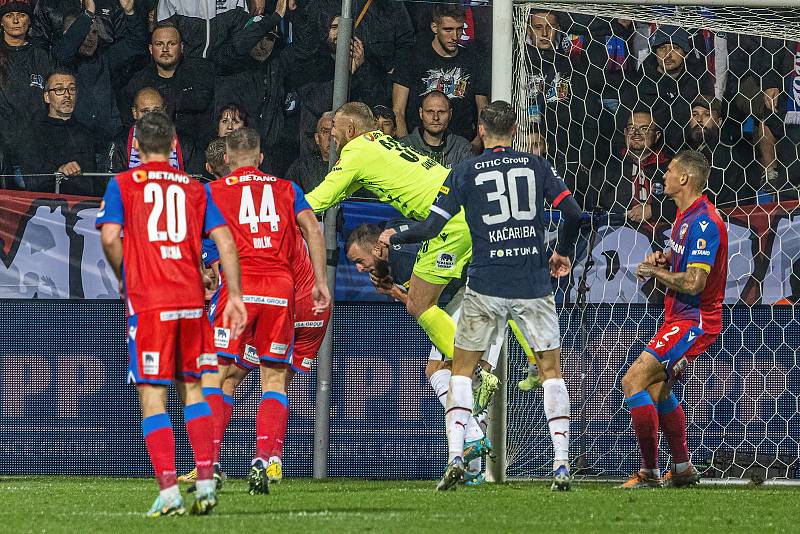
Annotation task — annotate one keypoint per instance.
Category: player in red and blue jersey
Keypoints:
(164, 214)
(264, 213)
(693, 271)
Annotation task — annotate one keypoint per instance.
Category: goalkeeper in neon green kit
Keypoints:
(409, 181)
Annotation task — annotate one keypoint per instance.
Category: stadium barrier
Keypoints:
(66, 410)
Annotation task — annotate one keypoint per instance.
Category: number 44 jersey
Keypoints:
(261, 212)
(503, 193)
(163, 214)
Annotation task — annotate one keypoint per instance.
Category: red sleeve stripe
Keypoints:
(564, 194)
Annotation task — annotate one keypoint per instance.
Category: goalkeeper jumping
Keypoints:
(409, 181)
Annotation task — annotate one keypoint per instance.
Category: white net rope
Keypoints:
(609, 93)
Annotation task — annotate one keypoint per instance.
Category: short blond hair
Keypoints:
(360, 114)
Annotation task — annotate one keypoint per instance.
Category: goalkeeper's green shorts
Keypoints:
(445, 257)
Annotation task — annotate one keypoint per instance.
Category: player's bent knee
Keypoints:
(549, 363)
(273, 378)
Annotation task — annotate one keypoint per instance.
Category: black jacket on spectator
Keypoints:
(386, 29)
(734, 179)
(628, 181)
(118, 155)
(455, 150)
(21, 100)
(308, 171)
(47, 23)
(461, 77)
(51, 144)
(96, 106)
(560, 101)
(670, 98)
(189, 95)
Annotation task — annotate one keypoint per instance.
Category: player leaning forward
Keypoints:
(502, 192)
(164, 214)
(693, 271)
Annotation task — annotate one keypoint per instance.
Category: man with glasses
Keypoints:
(633, 182)
(59, 144)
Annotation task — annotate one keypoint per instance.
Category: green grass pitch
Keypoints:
(83, 504)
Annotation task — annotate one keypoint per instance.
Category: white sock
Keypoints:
(474, 430)
(440, 382)
(170, 494)
(458, 414)
(206, 486)
(556, 408)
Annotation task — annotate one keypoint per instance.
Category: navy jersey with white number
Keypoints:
(503, 193)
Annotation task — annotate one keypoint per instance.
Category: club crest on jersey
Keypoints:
(445, 260)
(683, 230)
(139, 176)
(150, 362)
(231, 180)
(250, 354)
(222, 337)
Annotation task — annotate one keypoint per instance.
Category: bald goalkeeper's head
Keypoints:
(351, 120)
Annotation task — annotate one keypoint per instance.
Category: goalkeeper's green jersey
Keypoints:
(398, 175)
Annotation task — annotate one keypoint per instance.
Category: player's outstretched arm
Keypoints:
(338, 184)
(235, 315)
(312, 233)
(416, 233)
(560, 264)
(110, 236)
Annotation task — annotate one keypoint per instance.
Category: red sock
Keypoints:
(271, 423)
(645, 423)
(227, 413)
(214, 399)
(673, 424)
(200, 428)
(160, 440)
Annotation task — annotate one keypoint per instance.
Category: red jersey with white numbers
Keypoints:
(164, 214)
(261, 212)
(699, 239)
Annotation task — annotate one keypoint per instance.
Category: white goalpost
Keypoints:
(742, 397)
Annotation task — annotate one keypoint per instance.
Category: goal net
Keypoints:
(609, 93)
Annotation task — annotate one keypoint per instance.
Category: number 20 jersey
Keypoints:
(261, 212)
(164, 214)
(503, 193)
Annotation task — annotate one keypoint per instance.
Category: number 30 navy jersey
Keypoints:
(503, 193)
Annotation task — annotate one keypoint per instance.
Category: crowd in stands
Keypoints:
(608, 100)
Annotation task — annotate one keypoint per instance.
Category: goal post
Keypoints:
(740, 397)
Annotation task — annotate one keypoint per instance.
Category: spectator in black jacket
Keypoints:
(231, 118)
(633, 182)
(187, 85)
(308, 171)
(23, 68)
(671, 80)
(559, 99)
(123, 155)
(732, 181)
(96, 70)
(433, 137)
(48, 19)
(59, 143)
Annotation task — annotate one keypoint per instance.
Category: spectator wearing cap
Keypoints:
(733, 180)
(308, 171)
(433, 137)
(671, 79)
(633, 181)
(59, 143)
(385, 119)
(23, 68)
(187, 84)
(97, 70)
(47, 25)
(256, 84)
